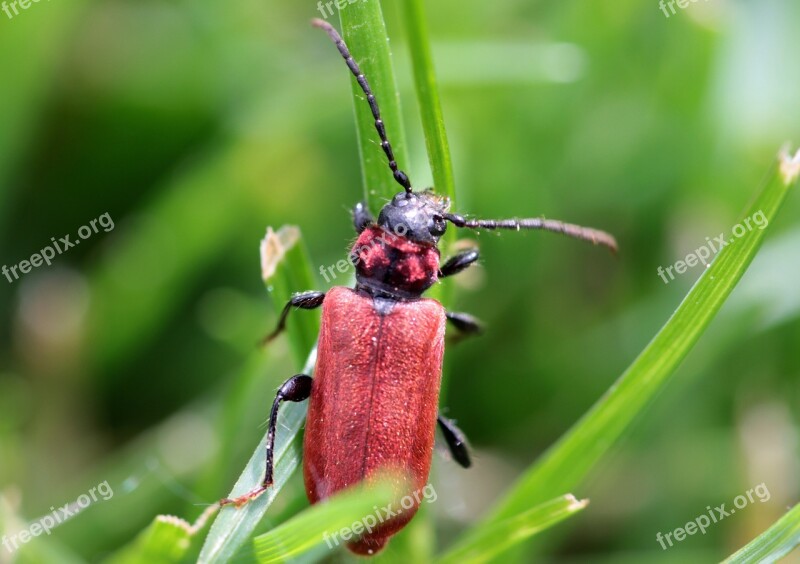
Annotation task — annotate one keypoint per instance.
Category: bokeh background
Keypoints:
(196, 124)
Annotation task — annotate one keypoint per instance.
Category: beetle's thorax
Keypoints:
(394, 266)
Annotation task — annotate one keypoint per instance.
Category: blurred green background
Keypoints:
(195, 125)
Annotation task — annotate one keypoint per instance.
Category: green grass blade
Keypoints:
(320, 523)
(233, 527)
(570, 460)
(165, 541)
(285, 266)
(774, 543)
(364, 31)
(286, 269)
(428, 98)
(491, 540)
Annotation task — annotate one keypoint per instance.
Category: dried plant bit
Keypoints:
(274, 246)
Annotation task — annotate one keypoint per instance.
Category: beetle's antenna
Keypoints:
(400, 176)
(595, 236)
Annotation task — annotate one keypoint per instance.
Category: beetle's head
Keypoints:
(418, 216)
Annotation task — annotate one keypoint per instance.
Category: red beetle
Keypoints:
(374, 397)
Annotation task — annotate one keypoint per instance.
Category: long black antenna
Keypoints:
(594, 236)
(400, 176)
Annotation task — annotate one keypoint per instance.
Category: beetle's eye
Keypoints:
(438, 226)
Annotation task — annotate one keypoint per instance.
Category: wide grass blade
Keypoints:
(321, 523)
(774, 543)
(490, 540)
(285, 266)
(364, 31)
(568, 462)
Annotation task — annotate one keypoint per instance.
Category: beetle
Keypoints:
(374, 397)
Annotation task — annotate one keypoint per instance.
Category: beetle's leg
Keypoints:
(362, 218)
(456, 441)
(466, 324)
(459, 262)
(297, 388)
(303, 300)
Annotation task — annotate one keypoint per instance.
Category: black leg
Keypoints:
(466, 324)
(297, 388)
(303, 300)
(456, 441)
(362, 218)
(456, 264)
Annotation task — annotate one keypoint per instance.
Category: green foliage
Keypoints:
(774, 543)
(569, 461)
(490, 541)
(133, 358)
(286, 266)
(166, 541)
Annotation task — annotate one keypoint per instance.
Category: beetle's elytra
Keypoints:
(374, 397)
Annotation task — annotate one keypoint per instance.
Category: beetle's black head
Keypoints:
(418, 216)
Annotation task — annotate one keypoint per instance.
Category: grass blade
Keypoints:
(286, 269)
(774, 543)
(428, 99)
(285, 266)
(491, 540)
(166, 540)
(364, 31)
(319, 523)
(570, 460)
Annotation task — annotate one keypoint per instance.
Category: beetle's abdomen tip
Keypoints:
(368, 545)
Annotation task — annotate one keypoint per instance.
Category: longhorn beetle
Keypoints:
(374, 397)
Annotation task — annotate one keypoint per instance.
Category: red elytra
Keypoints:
(374, 397)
